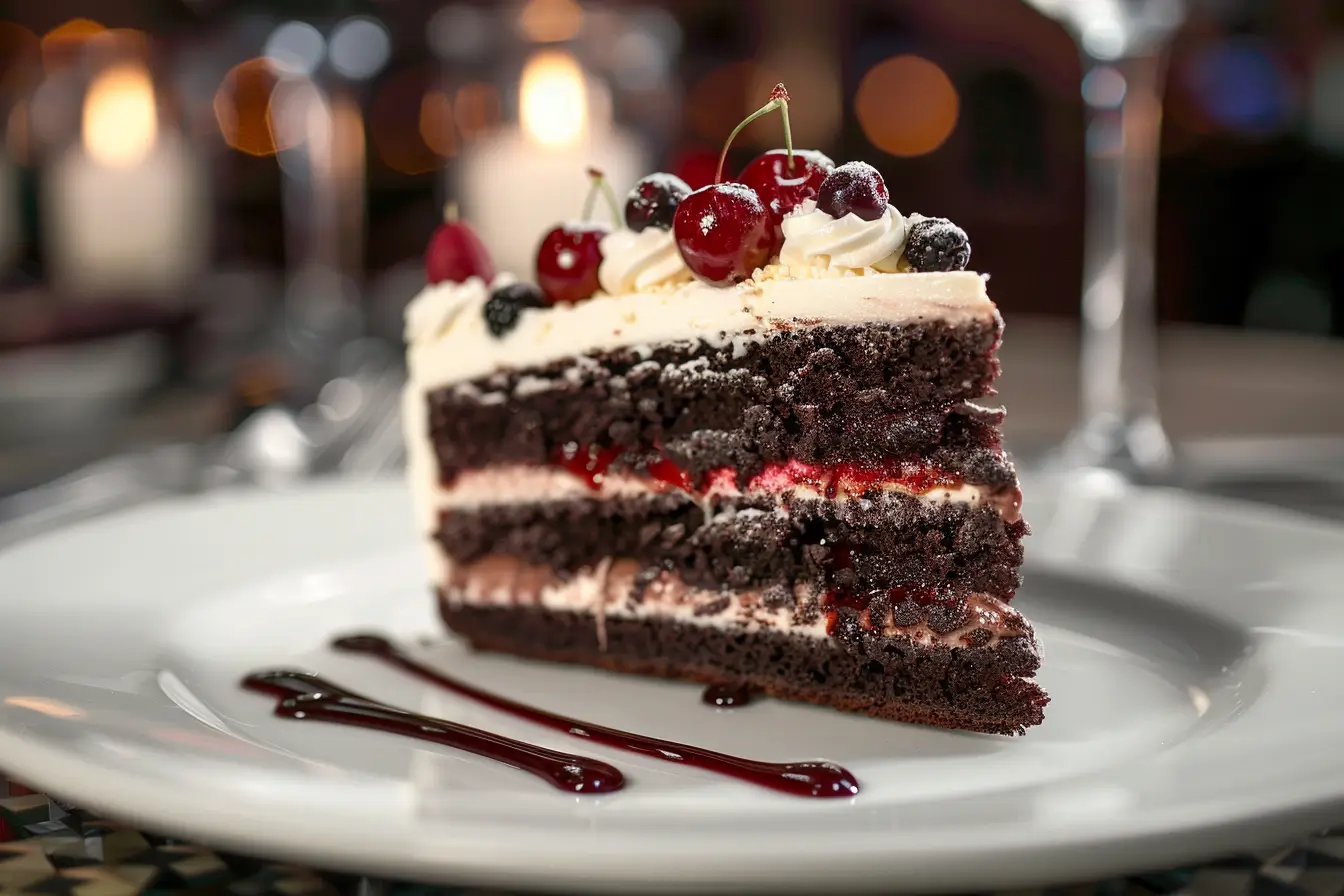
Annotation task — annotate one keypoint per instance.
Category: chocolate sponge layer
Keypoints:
(888, 540)
(818, 394)
(982, 689)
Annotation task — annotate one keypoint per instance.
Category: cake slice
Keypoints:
(759, 470)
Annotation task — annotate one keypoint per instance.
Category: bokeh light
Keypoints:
(459, 32)
(1325, 106)
(438, 128)
(120, 119)
(17, 138)
(553, 104)
(907, 106)
(242, 107)
(1241, 86)
(1104, 87)
(397, 121)
(1289, 301)
(476, 109)
(62, 42)
(360, 47)
(550, 21)
(718, 101)
(295, 49)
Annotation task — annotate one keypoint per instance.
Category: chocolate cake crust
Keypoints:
(820, 394)
(979, 689)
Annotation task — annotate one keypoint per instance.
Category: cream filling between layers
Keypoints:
(606, 593)
(519, 483)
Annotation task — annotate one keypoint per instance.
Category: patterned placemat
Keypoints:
(51, 848)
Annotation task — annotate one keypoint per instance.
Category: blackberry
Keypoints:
(936, 244)
(507, 303)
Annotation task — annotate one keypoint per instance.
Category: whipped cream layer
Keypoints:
(517, 483)
(814, 238)
(607, 592)
(449, 342)
(633, 262)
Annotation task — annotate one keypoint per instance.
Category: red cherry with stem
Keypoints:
(570, 254)
(724, 231)
(782, 186)
(456, 253)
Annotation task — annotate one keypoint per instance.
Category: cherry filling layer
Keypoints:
(591, 463)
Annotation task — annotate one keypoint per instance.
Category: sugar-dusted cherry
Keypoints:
(724, 233)
(855, 188)
(653, 201)
(456, 253)
(570, 253)
(785, 180)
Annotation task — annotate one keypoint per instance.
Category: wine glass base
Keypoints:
(1136, 449)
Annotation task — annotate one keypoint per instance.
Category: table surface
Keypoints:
(48, 847)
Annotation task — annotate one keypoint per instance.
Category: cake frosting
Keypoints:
(638, 262)
(449, 342)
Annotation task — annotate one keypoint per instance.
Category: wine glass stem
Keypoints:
(1121, 426)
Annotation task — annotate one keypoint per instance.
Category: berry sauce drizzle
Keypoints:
(811, 779)
(304, 696)
(726, 696)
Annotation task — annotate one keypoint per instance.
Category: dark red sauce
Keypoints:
(812, 779)
(304, 696)
(587, 462)
(726, 696)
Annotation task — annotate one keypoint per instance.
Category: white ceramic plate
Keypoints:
(1194, 651)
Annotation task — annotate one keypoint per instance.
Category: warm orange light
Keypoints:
(16, 133)
(59, 41)
(437, 127)
(907, 106)
(408, 118)
(45, 705)
(554, 99)
(242, 107)
(476, 109)
(550, 21)
(19, 49)
(719, 100)
(120, 119)
(126, 40)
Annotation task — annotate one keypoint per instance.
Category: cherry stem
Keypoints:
(599, 184)
(779, 99)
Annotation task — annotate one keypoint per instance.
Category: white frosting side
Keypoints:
(812, 237)
(639, 261)
(507, 484)
(449, 342)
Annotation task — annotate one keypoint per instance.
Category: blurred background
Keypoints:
(209, 208)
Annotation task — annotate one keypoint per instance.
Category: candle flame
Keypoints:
(554, 103)
(120, 121)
